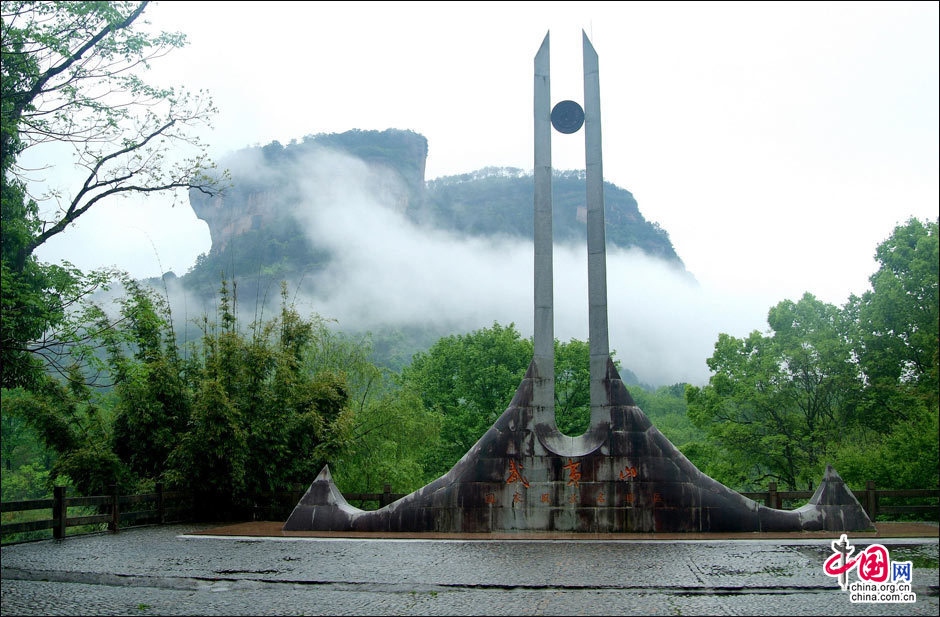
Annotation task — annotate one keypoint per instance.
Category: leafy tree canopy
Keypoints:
(469, 380)
(899, 318)
(71, 74)
(855, 386)
(777, 400)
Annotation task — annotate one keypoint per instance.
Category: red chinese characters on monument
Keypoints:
(489, 498)
(628, 473)
(515, 474)
(574, 473)
(546, 498)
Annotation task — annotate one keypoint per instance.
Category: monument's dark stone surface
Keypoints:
(630, 479)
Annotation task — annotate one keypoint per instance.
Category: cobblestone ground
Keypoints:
(160, 571)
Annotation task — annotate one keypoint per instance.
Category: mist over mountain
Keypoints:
(349, 221)
(265, 199)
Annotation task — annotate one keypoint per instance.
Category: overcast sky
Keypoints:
(777, 143)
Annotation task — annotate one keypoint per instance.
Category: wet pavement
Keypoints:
(164, 571)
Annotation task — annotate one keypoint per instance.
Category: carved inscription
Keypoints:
(628, 473)
(574, 472)
(515, 474)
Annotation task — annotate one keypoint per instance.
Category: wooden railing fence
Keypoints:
(168, 507)
(162, 507)
(870, 499)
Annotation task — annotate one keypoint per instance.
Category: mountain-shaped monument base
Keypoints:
(621, 476)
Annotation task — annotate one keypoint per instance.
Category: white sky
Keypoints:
(777, 143)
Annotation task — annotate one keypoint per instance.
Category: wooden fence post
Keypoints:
(772, 496)
(386, 496)
(161, 510)
(871, 500)
(59, 512)
(115, 523)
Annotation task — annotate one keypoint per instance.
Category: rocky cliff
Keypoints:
(267, 191)
(265, 186)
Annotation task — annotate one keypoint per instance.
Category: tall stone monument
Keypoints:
(622, 475)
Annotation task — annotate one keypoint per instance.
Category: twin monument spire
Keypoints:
(567, 117)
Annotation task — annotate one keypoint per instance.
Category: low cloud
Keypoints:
(389, 271)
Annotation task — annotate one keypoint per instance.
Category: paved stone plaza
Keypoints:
(161, 571)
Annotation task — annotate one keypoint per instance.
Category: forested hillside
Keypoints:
(498, 200)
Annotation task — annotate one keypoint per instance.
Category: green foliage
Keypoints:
(723, 464)
(152, 399)
(70, 421)
(41, 323)
(26, 482)
(667, 410)
(781, 401)
(117, 437)
(468, 380)
(897, 346)
(897, 337)
(392, 433)
(251, 411)
(259, 422)
(572, 387)
(211, 457)
(70, 74)
(30, 481)
(856, 387)
(393, 438)
(904, 456)
(19, 444)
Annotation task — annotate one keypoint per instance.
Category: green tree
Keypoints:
(260, 422)
(572, 386)
(392, 440)
(70, 74)
(152, 401)
(71, 421)
(896, 343)
(780, 402)
(667, 409)
(897, 339)
(392, 432)
(117, 437)
(468, 380)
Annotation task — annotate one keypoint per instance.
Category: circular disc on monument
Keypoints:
(567, 117)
